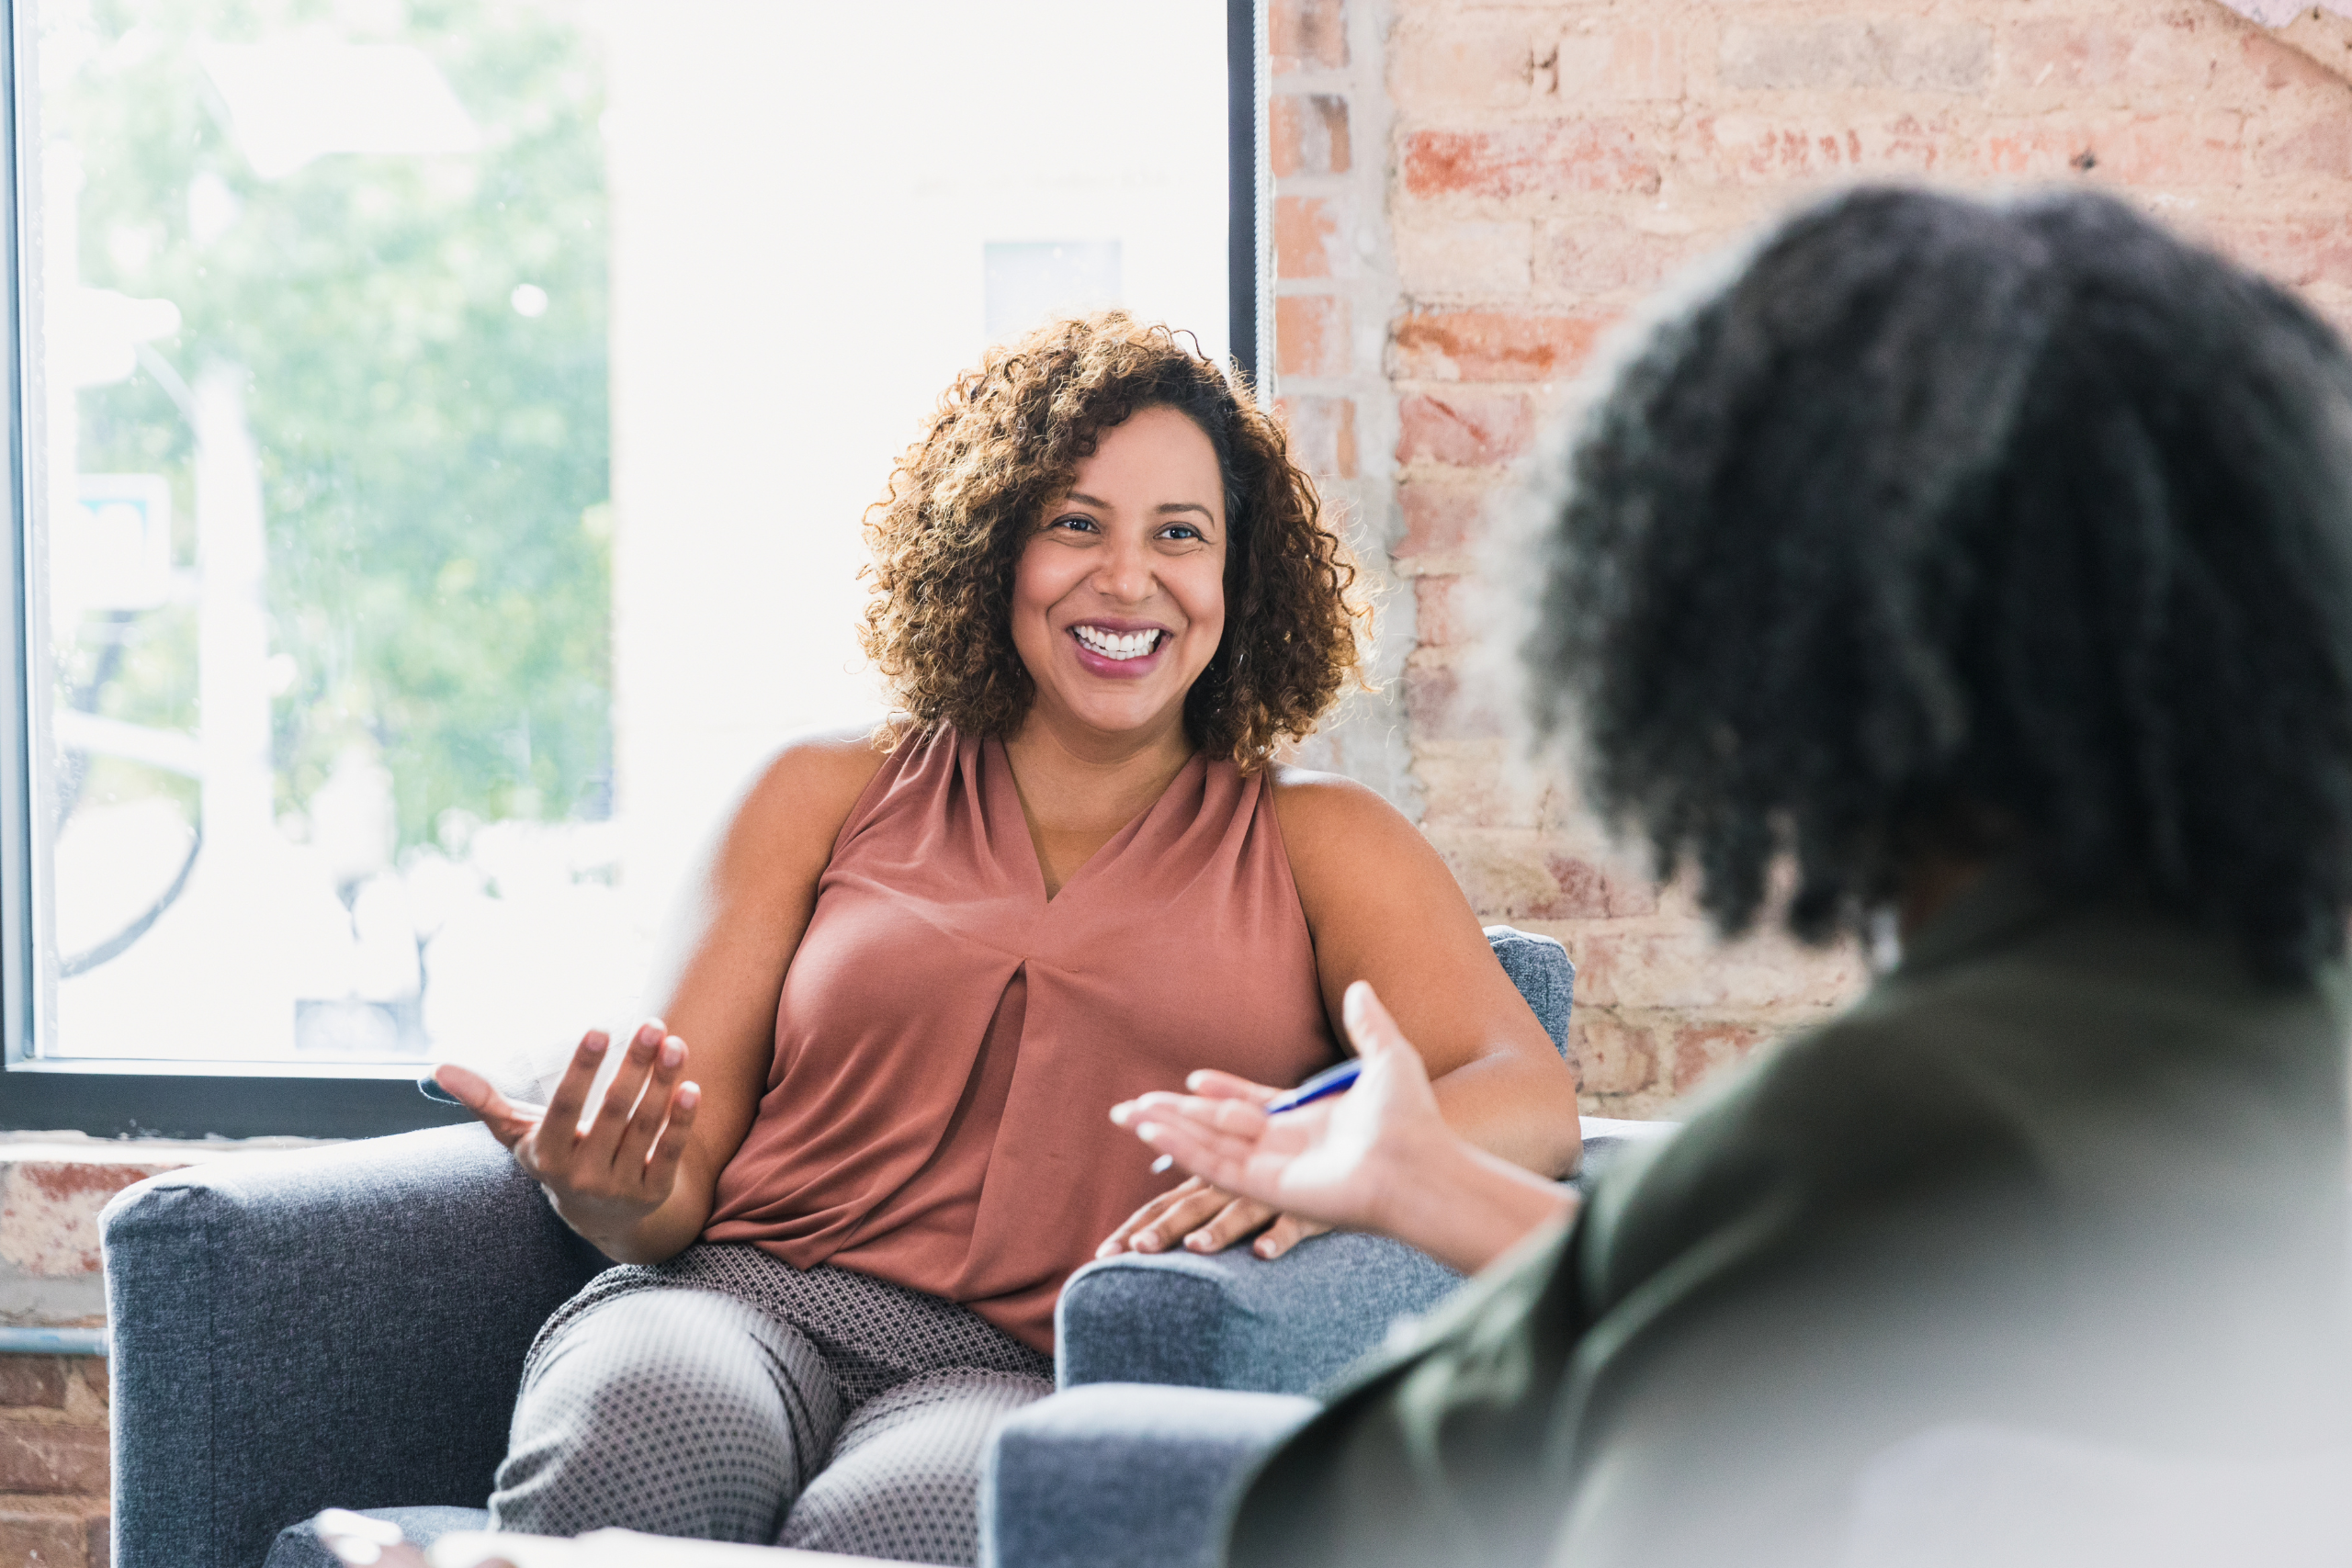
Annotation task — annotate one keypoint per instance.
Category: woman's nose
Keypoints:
(1125, 574)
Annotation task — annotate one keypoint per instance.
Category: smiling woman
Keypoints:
(1005, 442)
(928, 956)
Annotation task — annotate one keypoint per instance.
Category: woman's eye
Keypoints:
(1077, 525)
(1181, 531)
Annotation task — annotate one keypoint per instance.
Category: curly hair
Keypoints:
(1005, 440)
(1961, 527)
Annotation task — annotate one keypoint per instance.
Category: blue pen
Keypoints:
(1328, 1082)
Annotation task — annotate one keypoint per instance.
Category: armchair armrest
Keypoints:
(340, 1326)
(1233, 1320)
(1118, 1473)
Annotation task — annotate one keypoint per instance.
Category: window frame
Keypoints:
(120, 1100)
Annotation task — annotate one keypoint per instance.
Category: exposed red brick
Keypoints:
(100, 1542)
(2303, 253)
(1307, 134)
(1322, 433)
(1632, 893)
(1438, 708)
(32, 1381)
(1491, 345)
(1439, 519)
(1628, 64)
(1683, 966)
(1601, 254)
(1438, 618)
(1465, 258)
(2320, 147)
(53, 1532)
(1583, 891)
(1613, 1057)
(1469, 785)
(1587, 156)
(2087, 55)
(1767, 152)
(1467, 62)
(51, 1457)
(1311, 335)
(1304, 227)
(2142, 150)
(1898, 53)
(49, 1212)
(1467, 428)
(2284, 68)
(2041, 149)
(1702, 1049)
(2174, 49)
(2076, 52)
(2177, 149)
(95, 1375)
(1306, 35)
(1501, 872)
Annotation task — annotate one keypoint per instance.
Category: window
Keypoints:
(440, 435)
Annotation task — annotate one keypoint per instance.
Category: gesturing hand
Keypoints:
(607, 1172)
(1339, 1161)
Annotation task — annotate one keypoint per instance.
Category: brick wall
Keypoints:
(53, 1461)
(1517, 175)
(1335, 287)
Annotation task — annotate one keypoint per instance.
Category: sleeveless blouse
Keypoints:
(949, 1042)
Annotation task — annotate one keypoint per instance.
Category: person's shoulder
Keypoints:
(1318, 805)
(806, 787)
(831, 760)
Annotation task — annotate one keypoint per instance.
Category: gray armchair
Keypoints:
(1068, 1477)
(345, 1327)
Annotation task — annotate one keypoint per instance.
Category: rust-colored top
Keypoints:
(949, 1043)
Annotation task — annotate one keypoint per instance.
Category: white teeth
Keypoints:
(1117, 644)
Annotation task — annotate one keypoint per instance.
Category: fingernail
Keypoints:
(1119, 1115)
(689, 1096)
(1264, 1249)
(1198, 1242)
(1145, 1241)
(1193, 1080)
(673, 1050)
(1352, 1008)
(594, 1044)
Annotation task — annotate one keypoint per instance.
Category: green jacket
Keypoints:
(2067, 1169)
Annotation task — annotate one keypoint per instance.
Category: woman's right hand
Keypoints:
(606, 1173)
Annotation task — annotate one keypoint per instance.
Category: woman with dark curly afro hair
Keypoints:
(1987, 566)
(925, 957)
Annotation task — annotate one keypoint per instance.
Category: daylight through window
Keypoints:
(449, 427)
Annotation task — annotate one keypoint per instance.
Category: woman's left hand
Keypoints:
(1210, 1219)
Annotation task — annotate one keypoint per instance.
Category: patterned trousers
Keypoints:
(727, 1396)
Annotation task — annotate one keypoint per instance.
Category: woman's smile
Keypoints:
(1119, 651)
